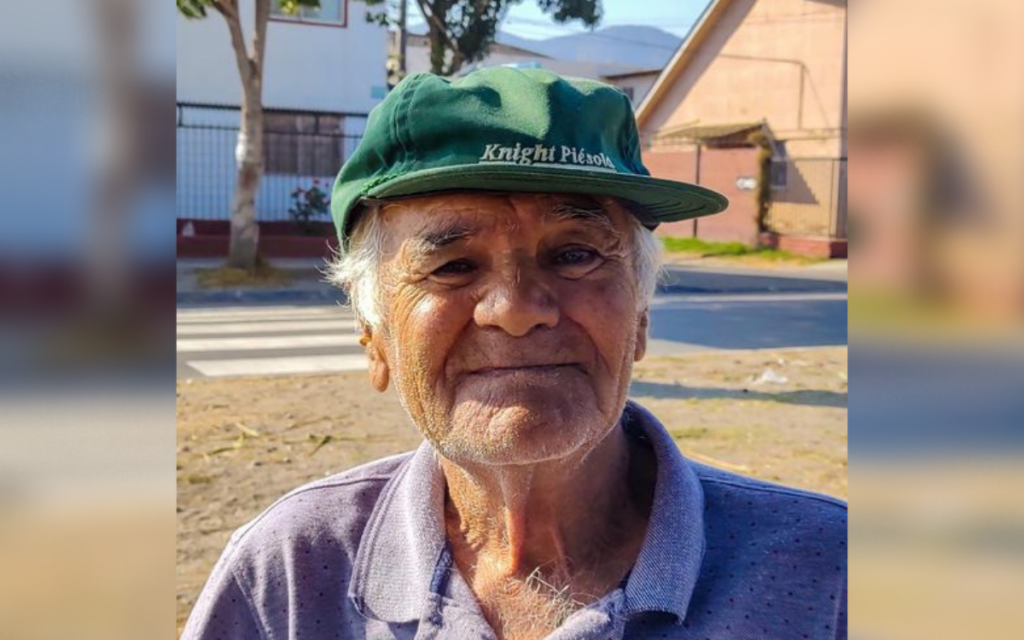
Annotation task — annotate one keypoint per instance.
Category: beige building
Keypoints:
(768, 69)
(935, 197)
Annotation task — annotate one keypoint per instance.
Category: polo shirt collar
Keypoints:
(666, 571)
(404, 542)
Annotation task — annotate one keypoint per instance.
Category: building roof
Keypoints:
(575, 68)
(701, 132)
(502, 39)
(630, 74)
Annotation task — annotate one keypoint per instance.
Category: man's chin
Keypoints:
(519, 430)
(540, 389)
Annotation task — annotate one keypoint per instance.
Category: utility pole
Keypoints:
(403, 36)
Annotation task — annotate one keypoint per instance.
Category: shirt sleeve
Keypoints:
(223, 610)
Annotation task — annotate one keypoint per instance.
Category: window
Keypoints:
(331, 12)
(779, 173)
(778, 168)
(303, 144)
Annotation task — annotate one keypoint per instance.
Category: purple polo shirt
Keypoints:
(363, 555)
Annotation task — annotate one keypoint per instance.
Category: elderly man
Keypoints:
(496, 246)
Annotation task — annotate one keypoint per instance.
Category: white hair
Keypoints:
(357, 272)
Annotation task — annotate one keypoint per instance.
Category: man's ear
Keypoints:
(641, 337)
(380, 375)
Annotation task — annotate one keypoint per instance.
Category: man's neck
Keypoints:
(563, 517)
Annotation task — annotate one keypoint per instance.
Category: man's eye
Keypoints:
(575, 256)
(455, 268)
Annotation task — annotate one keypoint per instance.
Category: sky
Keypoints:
(527, 21)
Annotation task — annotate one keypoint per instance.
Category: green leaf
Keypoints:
(193, 9)
(292, 7)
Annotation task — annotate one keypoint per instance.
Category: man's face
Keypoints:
(510, 322)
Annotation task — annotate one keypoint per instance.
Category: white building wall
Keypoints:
(639, 83)
(309, 66)
(418, 60)
(417, 56)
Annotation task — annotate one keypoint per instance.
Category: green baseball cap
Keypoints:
(508, 130)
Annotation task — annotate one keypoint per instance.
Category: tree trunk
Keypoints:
(456, 63)
(437, 50)
(245, 232)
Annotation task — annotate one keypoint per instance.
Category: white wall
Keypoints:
(418, 60)
(206, 168)
(640, 83)
(309, 66)
(418, 56)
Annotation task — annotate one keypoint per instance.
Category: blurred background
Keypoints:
(936, 308)
(86, 315)
(93, 188)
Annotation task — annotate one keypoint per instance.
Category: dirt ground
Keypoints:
(244, 442)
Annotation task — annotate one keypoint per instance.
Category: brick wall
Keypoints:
(719, 170)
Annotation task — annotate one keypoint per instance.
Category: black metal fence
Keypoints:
(301, 149)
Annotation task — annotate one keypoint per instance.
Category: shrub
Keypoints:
(307, 205)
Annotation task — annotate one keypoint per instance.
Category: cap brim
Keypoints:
(663, 200)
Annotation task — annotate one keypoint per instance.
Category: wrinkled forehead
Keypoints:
(458, 213)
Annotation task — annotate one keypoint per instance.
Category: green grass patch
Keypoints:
(703, 247)
(692, 432)
(707, 249)
(227, 277)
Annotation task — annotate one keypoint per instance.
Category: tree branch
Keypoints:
(427, 10)
(259, 42)
(234, 21)
(222, 8)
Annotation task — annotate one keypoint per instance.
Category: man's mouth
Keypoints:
(535, 369)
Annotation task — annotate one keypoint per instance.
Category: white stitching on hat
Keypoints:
(551, 155)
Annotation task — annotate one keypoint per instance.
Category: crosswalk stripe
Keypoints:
(266, 342)
(278, 366)
(233, 314)
(265, 327)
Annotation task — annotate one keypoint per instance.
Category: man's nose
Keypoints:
(517, 301)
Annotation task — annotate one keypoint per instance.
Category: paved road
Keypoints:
(681, 278)
(700, 322)
(695, 310)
